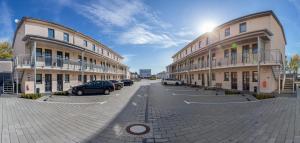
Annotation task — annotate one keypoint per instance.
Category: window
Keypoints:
(199, 44)
(243, 27)
(102, 51)
(227, 31)
(67, 78)
(213, 76)
(186, 51)
(254, 76)
(206, 40)
(66, 37)
(85, 43)
(95, 77)
(39, 52)
(39, 78)
(79, 77)
(94, 47)
(51, 33)
(226, 76)
(107, 53)
(91, 77)
(67, 56)
(226, 53)
(254, 49)
(199, 77)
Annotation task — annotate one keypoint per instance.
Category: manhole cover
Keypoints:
(138, 129)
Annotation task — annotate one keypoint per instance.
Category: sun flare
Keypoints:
(207, 26)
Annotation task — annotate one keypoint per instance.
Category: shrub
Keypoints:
(61, 93)
(231, 92)
(261, 96)
(31, 95)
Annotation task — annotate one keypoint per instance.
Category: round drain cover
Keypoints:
(138, 129)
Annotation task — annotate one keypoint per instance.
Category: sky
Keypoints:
(148, 32)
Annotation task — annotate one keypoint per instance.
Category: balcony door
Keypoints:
(48, 83)
(59, 82)
(59, 60)
(48, 57)
(233, 56)
(245, 54)
(203, 80)
(246, 80)
(234, 80)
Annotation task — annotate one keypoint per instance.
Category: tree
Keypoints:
(294, 63)
(5, 50)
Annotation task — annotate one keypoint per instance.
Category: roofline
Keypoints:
(249, 16)
(25, 18)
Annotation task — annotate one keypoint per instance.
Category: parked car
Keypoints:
(127, 82)
(118, 84)
(94, 87)
(170, 81)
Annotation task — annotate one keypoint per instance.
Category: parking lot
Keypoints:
(173, 114)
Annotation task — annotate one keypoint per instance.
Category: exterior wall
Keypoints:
(19, 44)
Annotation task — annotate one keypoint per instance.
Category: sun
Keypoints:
(207, 26)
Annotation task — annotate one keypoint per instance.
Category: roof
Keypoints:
(250, 16)
(62, 26)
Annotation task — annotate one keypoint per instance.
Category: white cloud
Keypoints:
(6, 28)
(139, 35)
(127, 58)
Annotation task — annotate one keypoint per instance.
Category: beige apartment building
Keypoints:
(246, 54)
(50, 57)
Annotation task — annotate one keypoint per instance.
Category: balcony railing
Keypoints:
(64, 64)
(246, 59)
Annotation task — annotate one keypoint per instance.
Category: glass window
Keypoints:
(66, 37)
(79, 77)
(243, 27)
(199, 77)
(254, 49)
(213, 76)
(254, 76)
(39, 52)
(39, 78)
(102, 51)
(226, 53)
(227, 31)
(67, 78)
(199, 44)
(207, 41)
(67, 56)
(226, 76)
(51, 33)
(85, 43)
(94, 47)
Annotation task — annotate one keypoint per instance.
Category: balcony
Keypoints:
(57, 63)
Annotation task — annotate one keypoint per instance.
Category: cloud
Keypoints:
(139, 35)
(6, 28)
(127, 58)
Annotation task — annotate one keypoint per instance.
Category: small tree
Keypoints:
(5, 50)
(294, 63)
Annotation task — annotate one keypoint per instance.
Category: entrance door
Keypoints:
(59, 60)
(246, 80)
(203, 80)
(207, 79)
(48, 83)
(233, 57)
(59, 82)
(233, 80)
(48, 57)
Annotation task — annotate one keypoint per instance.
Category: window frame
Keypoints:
(227, 32)
(226, 76)
(67, 78)
(37, 80)
(67, 37)
(254, 78)
(80, 77)
(53, 33)
(85, 43)
(240, 27)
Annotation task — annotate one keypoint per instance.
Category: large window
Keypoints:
(94, 47)
(67, 78)
(254, 76)
(226, 76)
(79, 77)
(67, 56)
(51, 33)
(199, 44)
(66, 37)
(227, 31)
(39, 78)
(85, 43)
(39, 52)
(226, 53)
(213, 76)
(254, 49)
(207, 41)
(243, 27)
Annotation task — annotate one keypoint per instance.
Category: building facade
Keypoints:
(145, 73)
(246, 54)
(50, 57)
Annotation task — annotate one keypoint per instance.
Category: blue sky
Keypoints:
(147, 32)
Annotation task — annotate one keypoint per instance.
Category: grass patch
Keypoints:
(261, 96)
(232, 92)
(31, 95)
(61, 93)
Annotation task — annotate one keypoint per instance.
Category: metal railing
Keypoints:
(64, 64)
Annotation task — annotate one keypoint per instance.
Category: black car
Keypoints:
(127, 82)
(118, 84)
(94, 87)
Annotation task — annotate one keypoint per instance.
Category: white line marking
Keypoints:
(181, 90)
(117, 94)
(220, 103)
(134, 104)
(197, 95)
(86, 103)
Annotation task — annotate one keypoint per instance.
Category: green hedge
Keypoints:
(263, 96)
(61, 93)
(231, 92)
(31, 96)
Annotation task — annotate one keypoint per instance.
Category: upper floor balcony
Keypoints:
(57, 63)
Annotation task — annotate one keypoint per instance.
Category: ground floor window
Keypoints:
(254, 76)
(79, 77)
(213, 76)
(199, 77)
(39, 78)
(67, 78)
(226, 76)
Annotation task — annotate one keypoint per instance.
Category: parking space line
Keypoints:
(69, 103)
(220, 103)
(196, 95)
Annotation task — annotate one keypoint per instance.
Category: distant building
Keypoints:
(145, 73)
(134, 75)
(162, 75)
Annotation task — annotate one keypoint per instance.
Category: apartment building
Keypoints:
(50, 57)
(246, 54)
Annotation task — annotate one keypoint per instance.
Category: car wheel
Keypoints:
(165, 83)
(106, 91)
(177, 84)
(79, 92)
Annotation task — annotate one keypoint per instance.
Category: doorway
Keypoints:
(59, 60)
(48, 57)
(234, 80)
(246, 80)
(59, 82)
(48, 83)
